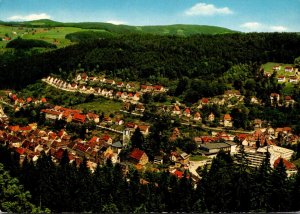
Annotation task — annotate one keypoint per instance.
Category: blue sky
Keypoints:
(242, 15)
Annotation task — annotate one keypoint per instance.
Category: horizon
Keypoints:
(245, 16)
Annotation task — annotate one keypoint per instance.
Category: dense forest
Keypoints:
(20, 43)
(226, 187)
(138, 56)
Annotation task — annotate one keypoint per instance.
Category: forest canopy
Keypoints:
(137, 56)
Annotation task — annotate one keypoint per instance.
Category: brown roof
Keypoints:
(137, 154)
(288, 165)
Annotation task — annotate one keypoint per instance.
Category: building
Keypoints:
(139, 157)
(227, 120)
(212, 149)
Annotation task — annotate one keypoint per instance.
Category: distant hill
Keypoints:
(178, 29)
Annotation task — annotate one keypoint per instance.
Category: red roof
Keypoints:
(14, 97)
(187, 110)
(130, 125)
(29, 99)
(288, 98)
(137, 154)
(20, 150)
(281, 77)
(288, 67)
(157, 87)
(205, 100)
(81, 147)
(58, 154)
(106, 137)
(288, 165)
(43, 100)
(227, 117)
(25, 128)
(79, 117)
(14, 128)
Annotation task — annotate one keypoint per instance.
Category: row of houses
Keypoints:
(292, 79)
(23, 102)
(286, 68)
(119, 84)
(134, 97)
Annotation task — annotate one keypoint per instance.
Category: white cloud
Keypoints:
(278, 28)
(116, 22)
(252, 26)
(256, 26)
(29, 17)
(203, 9)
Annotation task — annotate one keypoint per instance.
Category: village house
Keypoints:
(136, 97)
(281, 78)
(293, 79)
(274, 97)
(82, 77)
(120, 84)
(289, 102)
(288, 69)
(109, 82)
(144, 129)
(140, 107)
(139, 157)
(146, 88)
(158, 88)
(227, 120)
(276, 68)
(184, 158)
(93, 117)
(130, 85)
(257, 123)
(187, 112)
(211, 117)
(119, 121)
(197, 116)
(203, 102)
(232, 93)
(176, 110)
(291, 169)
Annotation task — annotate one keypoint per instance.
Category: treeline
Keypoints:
(153, 57)
(88, 35)
(226, 187)
(29, 43)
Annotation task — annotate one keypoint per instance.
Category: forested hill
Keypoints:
(179, 29)
(139, 56)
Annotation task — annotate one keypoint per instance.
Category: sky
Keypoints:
(241, 15)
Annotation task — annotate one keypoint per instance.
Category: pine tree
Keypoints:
(279, 199)
(261, 186)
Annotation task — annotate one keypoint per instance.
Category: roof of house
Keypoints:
(137, 154)
(227, 117)
(204, 100)
(143, 128)
(288, 165)
(187, 111)
(117, 144)
(79, 117)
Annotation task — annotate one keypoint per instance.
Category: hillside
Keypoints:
(178, 29)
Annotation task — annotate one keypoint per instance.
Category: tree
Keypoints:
(13, 197)
(279, 199)
(137, 139)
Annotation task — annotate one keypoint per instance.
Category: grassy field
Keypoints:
(268, 68)
(54, 35)
(288, 86)
(106, 106)
(198, 158)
